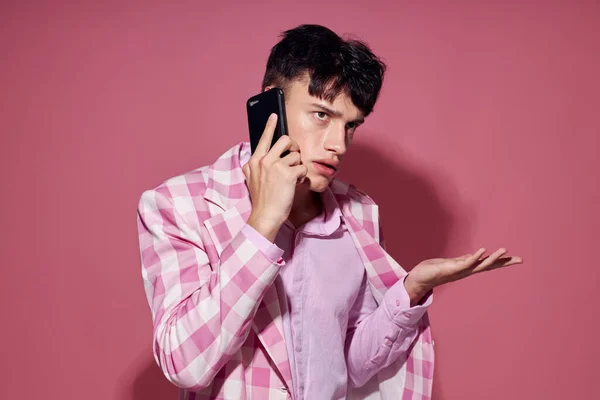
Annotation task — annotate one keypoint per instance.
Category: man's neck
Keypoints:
(307, 205)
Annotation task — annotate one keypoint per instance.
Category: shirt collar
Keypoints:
(329, 220)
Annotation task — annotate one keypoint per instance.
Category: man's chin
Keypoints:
(318, 183)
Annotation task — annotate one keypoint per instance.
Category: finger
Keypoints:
(500, 263)
(490, 261)
(292, 159)
(472, 259)
(246, 170)
(507, 262)
(493, 257)
(299, 172)
(284, 143)
(464, 257)
(264, 143)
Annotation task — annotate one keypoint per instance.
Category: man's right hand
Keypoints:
(272, 181)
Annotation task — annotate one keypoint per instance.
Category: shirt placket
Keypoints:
(297, 315)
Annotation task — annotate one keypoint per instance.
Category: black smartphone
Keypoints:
(259, 108)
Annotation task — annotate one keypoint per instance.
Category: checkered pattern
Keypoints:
(217, 322)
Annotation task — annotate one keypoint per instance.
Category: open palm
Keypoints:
(438, 271)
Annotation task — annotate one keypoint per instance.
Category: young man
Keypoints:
(267, 277)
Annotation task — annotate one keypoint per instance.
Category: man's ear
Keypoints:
(268, 88)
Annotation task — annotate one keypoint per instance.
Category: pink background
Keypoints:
(486, 134)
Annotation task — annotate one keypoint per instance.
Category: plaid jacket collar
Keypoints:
(226, 183)
(226, 188)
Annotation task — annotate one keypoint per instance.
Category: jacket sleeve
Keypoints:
(201, 313)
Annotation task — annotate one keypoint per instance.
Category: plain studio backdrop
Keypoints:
(485, 134)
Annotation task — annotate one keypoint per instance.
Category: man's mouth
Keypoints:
(326, 167)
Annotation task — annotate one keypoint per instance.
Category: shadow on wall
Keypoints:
(416, 225)
(151, 384)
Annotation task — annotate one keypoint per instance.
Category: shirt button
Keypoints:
(407, 315)
(398, 303)
(284, 389)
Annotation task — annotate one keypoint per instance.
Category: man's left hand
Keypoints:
(435, 272)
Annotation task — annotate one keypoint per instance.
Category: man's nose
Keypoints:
(335, 140)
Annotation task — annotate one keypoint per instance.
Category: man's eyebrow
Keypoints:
(333, 112)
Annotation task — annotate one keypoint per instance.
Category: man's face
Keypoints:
(322, 129)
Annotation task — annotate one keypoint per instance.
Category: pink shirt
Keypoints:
(335, 332)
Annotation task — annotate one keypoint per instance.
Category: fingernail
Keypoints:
(272, 116)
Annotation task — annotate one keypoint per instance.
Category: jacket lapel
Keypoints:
(227, 191)
(362, 219)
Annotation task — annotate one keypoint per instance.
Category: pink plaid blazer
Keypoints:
(217, 321)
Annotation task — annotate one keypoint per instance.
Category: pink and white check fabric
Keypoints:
(217, 320)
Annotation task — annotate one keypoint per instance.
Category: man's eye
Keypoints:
(321, 115)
